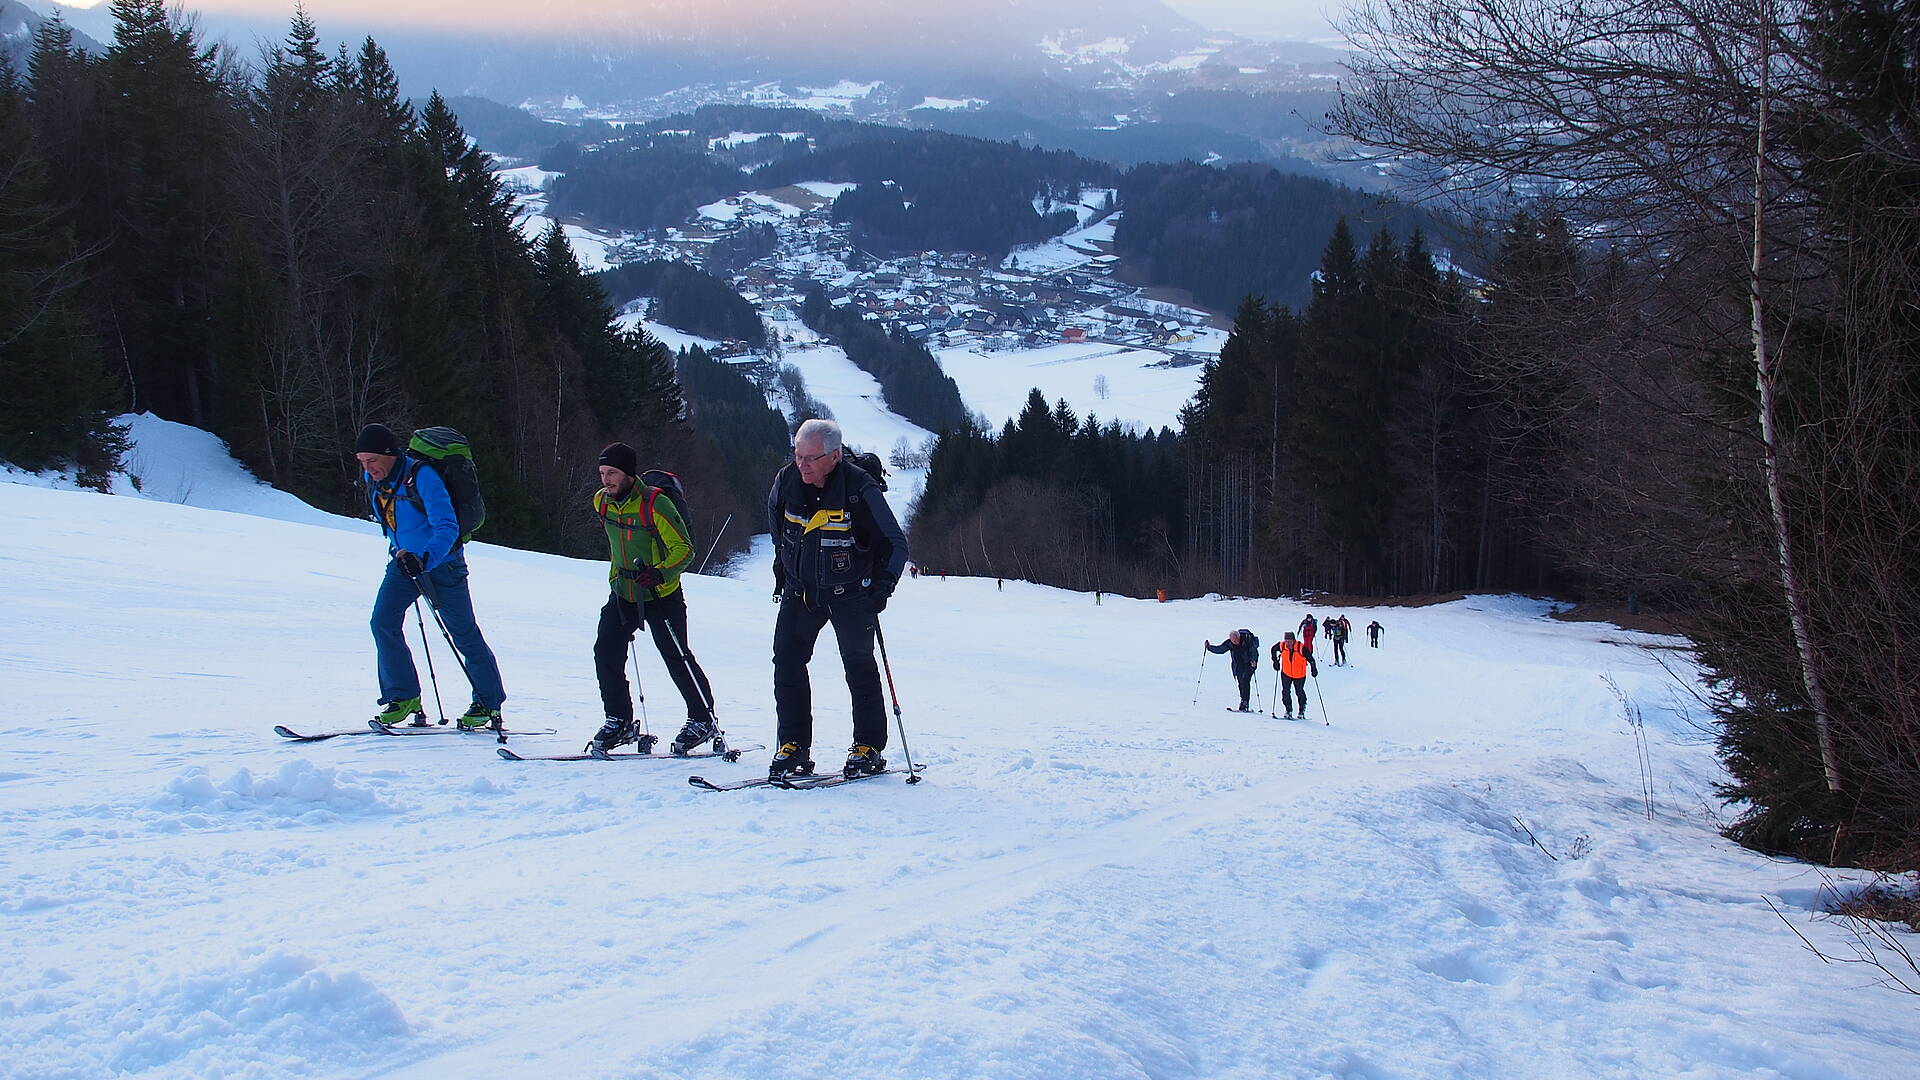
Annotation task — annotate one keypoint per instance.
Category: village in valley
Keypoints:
(1062, 298)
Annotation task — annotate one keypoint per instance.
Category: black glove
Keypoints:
(1314, 667)
(882, 591)
(648, 578)
(409, 563)
(779, 579)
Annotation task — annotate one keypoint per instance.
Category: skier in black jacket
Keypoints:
(838, 554)
(1246, 659)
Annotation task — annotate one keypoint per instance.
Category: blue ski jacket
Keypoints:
(415, 511)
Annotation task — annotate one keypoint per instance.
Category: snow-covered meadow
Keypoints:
(1099, 878)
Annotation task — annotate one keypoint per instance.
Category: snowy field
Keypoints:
(1099, 878)
(1139, 390)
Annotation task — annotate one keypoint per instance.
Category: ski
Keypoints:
(808, 783)
(286, 732)
(730, 754)
(410, 729)
(705, 784)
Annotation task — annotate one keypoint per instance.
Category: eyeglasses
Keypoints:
(806, 459)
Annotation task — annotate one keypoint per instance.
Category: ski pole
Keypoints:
(1322, 698)
(715, 544)
(426, 646)
(913, 771)
(1273, 700)
(433, 604)
(1203, 674)
(646, 740)
(693, 676)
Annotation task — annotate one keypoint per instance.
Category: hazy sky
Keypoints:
(1290, 18)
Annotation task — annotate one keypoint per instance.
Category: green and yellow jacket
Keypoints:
(643, 529)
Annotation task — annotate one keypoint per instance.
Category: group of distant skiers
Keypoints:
(1292, 657)
(839, 553)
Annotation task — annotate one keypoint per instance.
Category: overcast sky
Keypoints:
(1288, 18)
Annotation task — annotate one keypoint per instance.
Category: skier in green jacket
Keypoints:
(648, 546)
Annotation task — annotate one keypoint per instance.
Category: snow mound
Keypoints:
(298, 793)
(275, 1015)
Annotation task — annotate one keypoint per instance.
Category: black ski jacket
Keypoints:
(836, 540)
(1246, 655)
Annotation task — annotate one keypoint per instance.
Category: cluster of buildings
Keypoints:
(1068, 293)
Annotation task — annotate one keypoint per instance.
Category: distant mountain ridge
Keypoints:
(20, 22)
(606, 50)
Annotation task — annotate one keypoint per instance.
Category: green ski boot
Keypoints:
(479, 716)
(397, 713)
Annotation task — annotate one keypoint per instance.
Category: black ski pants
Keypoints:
(794, 635)
(1245, 679)
(1298, 687)
(620, 620)
(1339, 650)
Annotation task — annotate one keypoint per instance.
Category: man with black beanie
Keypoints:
(410, 501)
(648, 546)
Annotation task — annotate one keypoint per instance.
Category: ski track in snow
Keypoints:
(1099, 878)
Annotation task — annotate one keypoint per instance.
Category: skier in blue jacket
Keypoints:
(411, 503)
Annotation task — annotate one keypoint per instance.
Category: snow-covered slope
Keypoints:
(1099, 877)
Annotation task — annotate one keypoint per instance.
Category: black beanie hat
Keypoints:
(377, 439)
(622, 457)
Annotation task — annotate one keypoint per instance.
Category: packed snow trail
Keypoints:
(1098, 879)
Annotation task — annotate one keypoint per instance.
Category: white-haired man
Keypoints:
(838, 553)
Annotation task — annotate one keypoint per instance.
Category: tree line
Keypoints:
(1054, 498)
(1222, 233)
(283, 251)
(686, 299)
(1732, 376)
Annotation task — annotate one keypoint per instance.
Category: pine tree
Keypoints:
(55, 393)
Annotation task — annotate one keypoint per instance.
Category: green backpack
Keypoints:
(452, 458)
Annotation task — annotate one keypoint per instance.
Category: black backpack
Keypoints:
(1250, 642)
(661, 482)
(869, 463)
(452, 458)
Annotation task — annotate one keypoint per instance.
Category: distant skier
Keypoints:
(1374, 630)
(1293, 660)
(1308, 627)
(999, 584)
(648, 547)
(838, 554)
(1246, 657)
(1337, 631)
(410, 501)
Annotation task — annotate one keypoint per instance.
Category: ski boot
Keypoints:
(790, 760)
(863, 759)
(396, 713)
(614, 734)
(692, 735)
(479, 717)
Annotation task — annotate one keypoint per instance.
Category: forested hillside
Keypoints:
(685, 299)
(284, 253)
(1225, 233)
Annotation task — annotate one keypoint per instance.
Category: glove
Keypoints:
(409, 563)
(648, 578)
(1315, 668)
(882, 592)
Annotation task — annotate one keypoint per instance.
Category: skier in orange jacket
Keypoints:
(1293, 661)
